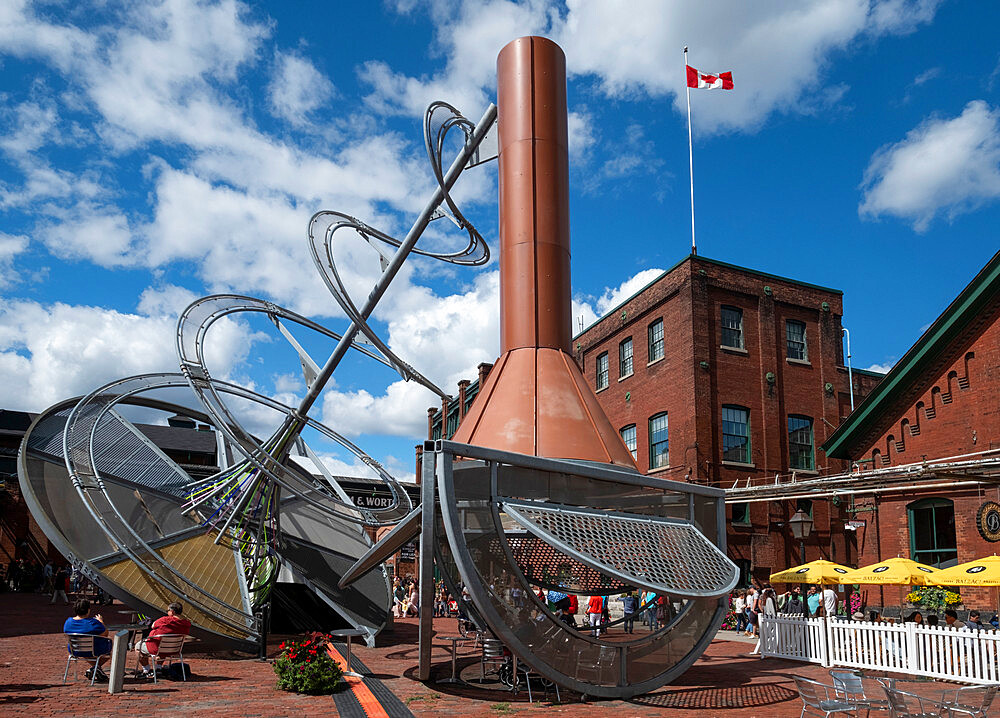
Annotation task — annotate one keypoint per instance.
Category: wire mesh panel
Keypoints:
(545, 566)
(663, 555)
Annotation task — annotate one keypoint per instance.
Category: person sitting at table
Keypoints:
(916, 618)
(951, 619)
(83, 622)
(974, 621)
(932, 620)
(171, 623)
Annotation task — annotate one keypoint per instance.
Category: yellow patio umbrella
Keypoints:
(981, 572)
(822, 572)
(897, 571)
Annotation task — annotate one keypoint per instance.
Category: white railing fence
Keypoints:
(936, 652)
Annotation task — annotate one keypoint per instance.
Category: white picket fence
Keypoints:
(956, 654)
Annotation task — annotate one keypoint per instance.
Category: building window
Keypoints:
(795, 337)
(628, 436)
(736, 434)
(655, 333)
(659, 442)
(732, 327)
(741, 514)
(800, 443)
(602, 371)
(932, 531)
(452, 422)
(625, 358)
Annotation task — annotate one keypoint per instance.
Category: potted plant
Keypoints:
(934, 598)
(307, 667)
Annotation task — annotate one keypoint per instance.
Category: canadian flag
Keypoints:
(704, 81)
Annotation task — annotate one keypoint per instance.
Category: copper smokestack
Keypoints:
(535, 400)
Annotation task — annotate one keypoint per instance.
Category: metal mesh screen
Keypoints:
(663, 555)
(122, 451)
(545, 566)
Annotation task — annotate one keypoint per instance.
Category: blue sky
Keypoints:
(151, 153)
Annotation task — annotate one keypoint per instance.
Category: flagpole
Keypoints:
(694, 247)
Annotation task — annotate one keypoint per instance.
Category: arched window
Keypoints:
(932, 531)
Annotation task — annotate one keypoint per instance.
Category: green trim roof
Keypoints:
(699, 258)
(970, 303)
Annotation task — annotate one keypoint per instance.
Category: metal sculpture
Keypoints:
(142, 528)
(536, 490)
(501, 519)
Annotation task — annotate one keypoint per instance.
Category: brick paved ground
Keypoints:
(726, 681)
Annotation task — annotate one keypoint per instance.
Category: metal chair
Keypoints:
(816, 699)
(972, 701)
(493, 654)
(81, 643)
(529, 676)
(849, 686)
(171, 646)
(910, 705)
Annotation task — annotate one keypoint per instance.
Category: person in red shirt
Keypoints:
(574, 608)
(595, 609)
(171, 623)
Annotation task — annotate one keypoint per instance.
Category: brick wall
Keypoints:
(697, 376)
(958, 411)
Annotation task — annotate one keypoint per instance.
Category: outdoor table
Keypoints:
(454, 655)
(348, 633)
(132, 628)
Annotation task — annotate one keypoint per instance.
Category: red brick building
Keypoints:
(941, 401)
(715, 373)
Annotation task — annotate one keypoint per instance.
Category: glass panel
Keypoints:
(800, 443)
(625, 357)
(795, 333)
(735, 434)
(602, 371)
(732, 327)
(659, 442)
(655, 332)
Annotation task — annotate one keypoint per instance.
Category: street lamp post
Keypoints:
(801, 524)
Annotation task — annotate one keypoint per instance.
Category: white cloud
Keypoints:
(631, 46)
(945, 165)
(168, 300)
(444, 337)
(10, 246)
(50, 353)
(397, 412)
(880, 368)
(591, 309)
(297, 88)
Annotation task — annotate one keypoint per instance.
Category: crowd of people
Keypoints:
(749, 604)
(56, 580)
